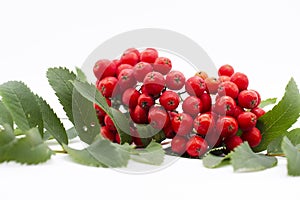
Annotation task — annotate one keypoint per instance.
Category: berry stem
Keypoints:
(60, 151)
(180, 93)
(165, 143)
(276, 154)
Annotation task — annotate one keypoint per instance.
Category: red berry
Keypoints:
(107, 86)
(162, 65)
(169, 133)
(182, 124)
(258, 112)
(237, 111)
(241, 80)
(143, 90)
(206, 102)
(104, 68)
(203, 123)
(109, 123)
(228, 88)
(247, 120)
(117, 138)
(145, 101)
(196, 146)
(248, 99)
(175, 80)
(202, 75)
(212, 85)
(149, 55)
(107, 134)
(192, 105)
(213, 138)
(259, 98)
(178, 144)
(129, 58)
(122, 67)
(126, 79)
(158, 117)
(172, 114)
(117, 62)
(130, 97)
(169, 100)
(137, 139)
(232, 142)
(139, 115)
(253, 137)
(99, 110)
(225, 70)
(141, 69)
(134, 50)
(225, 105)
(227, 126)
(224, 78)
(195, 86)
(154, 83)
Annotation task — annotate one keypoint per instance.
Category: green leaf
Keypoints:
(93, 95)
(90, 92)
(277, 121)
(80, 75)
(60, 80)
(72, 133)
(122, 124)
(267, 102)
(85, 118)
(52, 123)
(293, 157)
(100, 153)
(83, 157)
(7, 140)
(274, 148)
(213, 161)
(5, 116)
(153, 154)
(243, 159)
(30, 149)
(21, 103)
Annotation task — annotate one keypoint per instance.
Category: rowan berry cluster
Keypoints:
(198, 113)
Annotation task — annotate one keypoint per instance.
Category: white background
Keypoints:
(259, 38)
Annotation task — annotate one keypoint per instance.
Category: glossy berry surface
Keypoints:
(169, 100)
(228, 88)
(225, 70)
(149, 55)
(253, 137)
(203, 123)
(141, 69)
(162, 65)
(227, 126)
(241, 80)
(178, 144)
(195, 86)
(182, 124)
(104, 68)
(232, 142)
(192, 105)
(196, 146)
(247, 120)
(158, 117)
(248, 99)
(154, 83)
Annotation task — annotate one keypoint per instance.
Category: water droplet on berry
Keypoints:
(85, 128)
